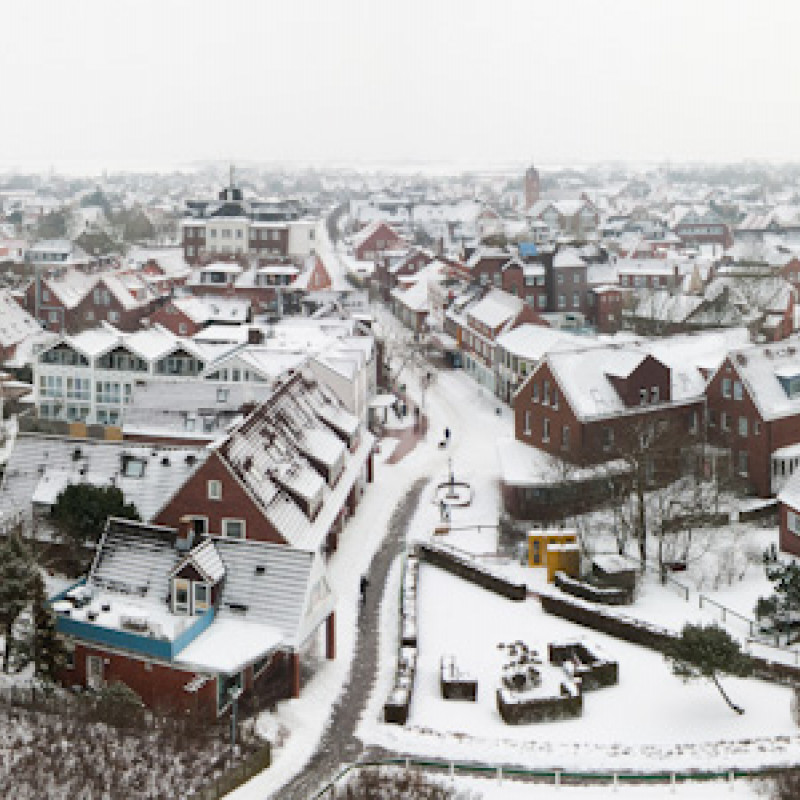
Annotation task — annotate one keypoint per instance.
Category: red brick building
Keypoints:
(377, 237)
(291, 473)
(754, 409)
(579, 405)
(187, 621)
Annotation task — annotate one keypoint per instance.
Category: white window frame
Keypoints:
(214, 490)
(182, 608)
(200, 606)
(226, 521)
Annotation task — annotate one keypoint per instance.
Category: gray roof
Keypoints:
(37, 460)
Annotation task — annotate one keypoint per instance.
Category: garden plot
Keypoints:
(651, 720)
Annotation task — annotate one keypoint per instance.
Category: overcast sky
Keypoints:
(160, 83)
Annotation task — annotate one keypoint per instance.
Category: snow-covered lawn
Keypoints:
(651, 720)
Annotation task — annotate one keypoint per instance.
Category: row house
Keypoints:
(375, 239)
(233, 226)
(519, 351)
(186, 316)
(74, 301)
(704, 227)
(292, 472)
(582, 405)
(273, 285)
(754, 410)
(523, 278)
(50, 254)
(477, 325)
(90, 377)
(192, 623)
(392, 267)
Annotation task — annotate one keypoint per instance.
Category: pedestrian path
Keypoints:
(339, 744)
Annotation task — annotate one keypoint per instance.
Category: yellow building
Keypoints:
(557, 550)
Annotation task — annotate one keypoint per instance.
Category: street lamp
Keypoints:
(235, 694)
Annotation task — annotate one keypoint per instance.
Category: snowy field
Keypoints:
(650, 721)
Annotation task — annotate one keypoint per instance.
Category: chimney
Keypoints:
(255, 336)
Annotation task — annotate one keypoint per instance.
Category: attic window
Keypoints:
(133, 467)
(222, 395)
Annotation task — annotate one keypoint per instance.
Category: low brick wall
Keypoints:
(539, 709)
(472, 573)
(638, 632)
(610, 596)
(594, 671)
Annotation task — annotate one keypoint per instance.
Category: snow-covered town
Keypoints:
(347, 452)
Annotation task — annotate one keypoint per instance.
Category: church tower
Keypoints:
(531, 187)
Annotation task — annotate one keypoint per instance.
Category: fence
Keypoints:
(555, 777)
(236, 776)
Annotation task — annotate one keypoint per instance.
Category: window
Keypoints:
(239, 233)
(562, 301)
(654, 394)
(724, 421)
(576, 300)
(180, 596)
(555, 398)
(53, 316)
(742, 426)
(215, 490)
(527, 429)
(233, 528)
(182, 329)
(608, 438)
(546, 396)
(793, 522)
(201, 597)
(113, 316)
(133, 467)
(643, 397)
(545, 430)
(756, 427)
(536, 392)
(737, 390)
(561, 277)
(692, 422)
(576, 277)
(726, 387)
(565, 437)
(542, 301)
(742, 462)
(89, 316)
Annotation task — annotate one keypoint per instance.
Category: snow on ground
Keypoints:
(651, 720)
(654, 720)
(300, 722)
(491, 789)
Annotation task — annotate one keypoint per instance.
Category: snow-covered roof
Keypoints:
(568, 257)
(496, 308)
(16, 323)
(761, 369)
(40, 466)
(533, 341)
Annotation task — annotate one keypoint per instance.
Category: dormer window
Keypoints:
(180, 596)
(643, 397)
(654, 394)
